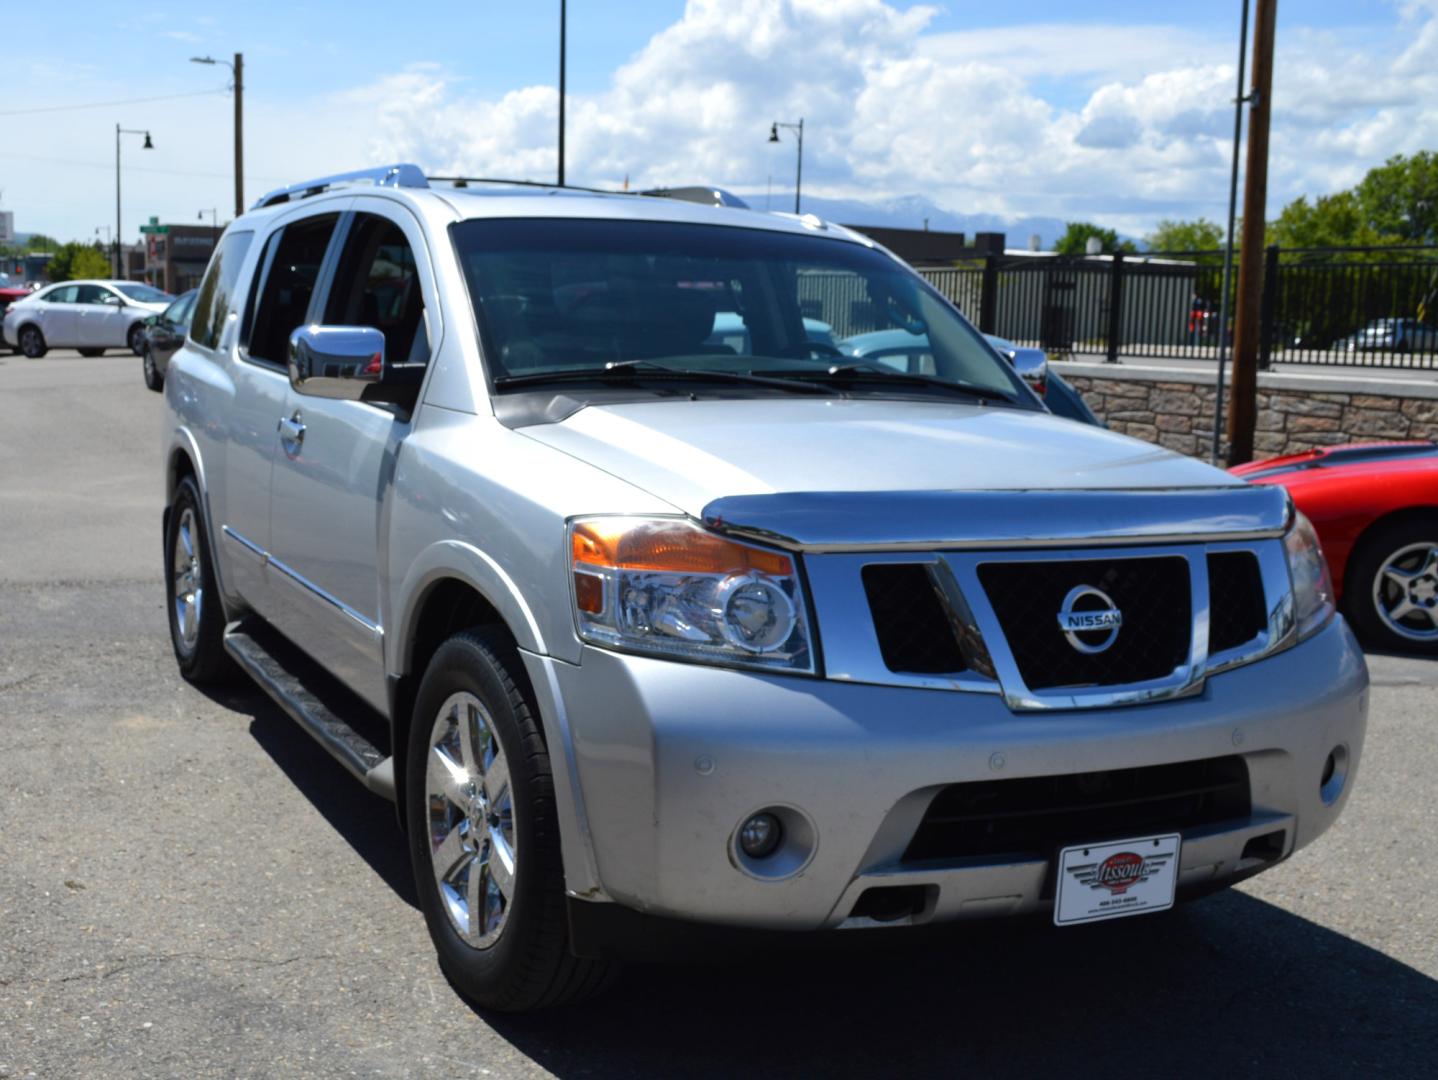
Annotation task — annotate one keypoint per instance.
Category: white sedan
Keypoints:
(91, 316)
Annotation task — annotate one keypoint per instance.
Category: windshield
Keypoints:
(142, 294)
(557, 296)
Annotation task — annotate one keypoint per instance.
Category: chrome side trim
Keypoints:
(303, 582)
(249, 545)
(925, 521)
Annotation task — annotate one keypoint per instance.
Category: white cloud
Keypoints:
(970, 119)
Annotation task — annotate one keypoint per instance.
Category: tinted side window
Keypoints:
(91, 294)
(65, 294)
(285, 294)
(216, 297)
(377, 285)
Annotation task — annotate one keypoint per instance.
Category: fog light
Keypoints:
(760, 835)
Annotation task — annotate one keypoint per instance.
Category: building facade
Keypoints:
(175, 260)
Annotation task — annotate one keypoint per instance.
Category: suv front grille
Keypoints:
(1034, 817)
(1236, 608)
(1153, 594)
(915, 635)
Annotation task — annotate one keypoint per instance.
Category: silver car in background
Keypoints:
(653, 626)
(90, 316)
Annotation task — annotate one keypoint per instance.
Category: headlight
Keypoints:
(665, 586)
(1308, 570)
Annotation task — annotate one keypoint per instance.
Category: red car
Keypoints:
(1375, 506)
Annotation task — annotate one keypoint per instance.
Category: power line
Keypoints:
(109, 104)
(110, 165)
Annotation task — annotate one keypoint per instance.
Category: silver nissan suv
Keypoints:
(564, 520)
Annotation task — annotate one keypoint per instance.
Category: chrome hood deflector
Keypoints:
(835, 474)
(831, 521)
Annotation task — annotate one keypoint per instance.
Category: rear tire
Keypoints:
(197, 621)
(91, 352)
(1390, 589)
(31, 342)
(153, 379)
(484, 832)
(136, 339)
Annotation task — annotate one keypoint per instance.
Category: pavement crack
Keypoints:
(123, 964)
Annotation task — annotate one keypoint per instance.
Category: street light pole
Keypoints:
(799, 167)
(148, 146)
(237, 69)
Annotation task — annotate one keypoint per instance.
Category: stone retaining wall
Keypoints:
(1174, 408)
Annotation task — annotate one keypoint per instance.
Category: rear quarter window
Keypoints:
(216, 297)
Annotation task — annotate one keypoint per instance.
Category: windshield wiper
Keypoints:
(865, 372)
(632, 369)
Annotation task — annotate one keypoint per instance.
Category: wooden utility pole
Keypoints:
(1243, 410)
(239, 134)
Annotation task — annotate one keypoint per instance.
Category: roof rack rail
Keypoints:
(465, 181)
(707, 196)
(402, 175)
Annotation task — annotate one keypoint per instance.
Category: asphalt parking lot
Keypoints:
(190, 888)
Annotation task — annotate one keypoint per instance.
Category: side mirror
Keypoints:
(336, 361)
(1033, 367)
(112, 300)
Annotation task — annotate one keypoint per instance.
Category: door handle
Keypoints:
(291, 430)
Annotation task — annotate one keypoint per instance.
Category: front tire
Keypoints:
(136, 339)
(1390, 590)
(484, 832)
(197, 623)
(153, 379)
(32, 342)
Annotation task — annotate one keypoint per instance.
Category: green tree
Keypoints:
(1075, 239)
(75, 260)
(41, 242)
(1400, 198)
(1200, 235)
(1328, 221)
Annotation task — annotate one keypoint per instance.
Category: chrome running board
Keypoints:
(343, 743)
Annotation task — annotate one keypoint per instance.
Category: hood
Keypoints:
(1348, 459)
(692, 452)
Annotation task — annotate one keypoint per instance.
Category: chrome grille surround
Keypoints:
(852, 652)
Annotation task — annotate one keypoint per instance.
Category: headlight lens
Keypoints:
(1308, 570)
(667, 587)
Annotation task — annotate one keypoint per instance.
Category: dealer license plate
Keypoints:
(1111, 880)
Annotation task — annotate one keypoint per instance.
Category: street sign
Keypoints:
(152, 228)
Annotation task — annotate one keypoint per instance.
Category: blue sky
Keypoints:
(1109, 109)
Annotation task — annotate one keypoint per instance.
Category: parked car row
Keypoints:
(90, 316)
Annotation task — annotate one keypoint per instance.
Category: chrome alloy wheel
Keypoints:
(470, 806)
(1405, 592)
(188, 589)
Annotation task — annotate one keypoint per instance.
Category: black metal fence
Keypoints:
(1366, 307)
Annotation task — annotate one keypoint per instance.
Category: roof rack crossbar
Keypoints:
(401, 175)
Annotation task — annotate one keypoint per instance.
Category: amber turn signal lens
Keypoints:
(589, 592)
(677, 547)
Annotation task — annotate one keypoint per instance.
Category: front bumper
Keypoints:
(670, 758)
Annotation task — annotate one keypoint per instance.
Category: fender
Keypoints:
(182, 441)
(457, 560)
(467, 563)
